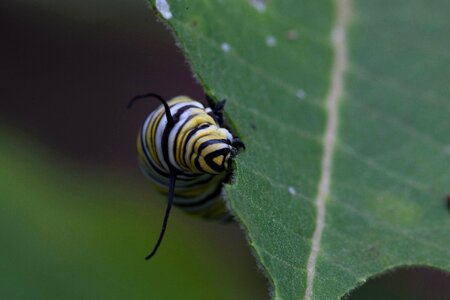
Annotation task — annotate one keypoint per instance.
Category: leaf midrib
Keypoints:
(339, 43)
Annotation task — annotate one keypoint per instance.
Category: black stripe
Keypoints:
(166, 133)
(210, 156)
(176, 116)
(222, 151)
(203, 146)
(203, 201)
(158, 180)
(189, 136)
(211, 142)
(165, 144)
(193, 175)
(149, 160)
(197, 164)
(178, 133)
(197, 183)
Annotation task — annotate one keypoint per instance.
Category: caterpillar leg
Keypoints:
(218, 109)
(238, 144)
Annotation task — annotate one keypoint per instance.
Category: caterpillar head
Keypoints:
(214, 151)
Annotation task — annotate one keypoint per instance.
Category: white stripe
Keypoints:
(144, 145)
(158, 140)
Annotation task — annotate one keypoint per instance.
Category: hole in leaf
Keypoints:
(412, 283)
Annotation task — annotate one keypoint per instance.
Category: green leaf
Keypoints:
(344, 108)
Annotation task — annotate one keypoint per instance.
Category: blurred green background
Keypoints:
(76, 216)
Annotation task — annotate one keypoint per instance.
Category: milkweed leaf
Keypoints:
(343, 106)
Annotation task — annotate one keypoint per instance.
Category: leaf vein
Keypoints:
(332, 101)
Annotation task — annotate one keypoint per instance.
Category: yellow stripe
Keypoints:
(205, 151)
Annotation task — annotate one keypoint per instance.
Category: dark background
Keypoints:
(68, 69)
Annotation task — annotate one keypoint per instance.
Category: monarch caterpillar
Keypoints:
(183, 142)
